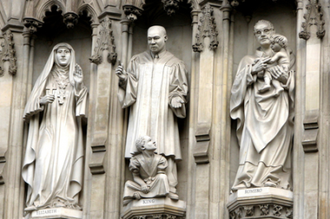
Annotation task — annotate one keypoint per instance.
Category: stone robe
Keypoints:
(152, 173)
(53, 163)
(264, 128)
(150, 86)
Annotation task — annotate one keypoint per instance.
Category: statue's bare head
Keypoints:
(263, 30)
(143, 143)
(157, 39)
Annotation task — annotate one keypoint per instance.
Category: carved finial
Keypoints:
(70, 19)
(105, 41)
(8, 53)
(206, 28)
(313, 16)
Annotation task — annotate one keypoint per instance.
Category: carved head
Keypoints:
(278, 42)
(263, 30)
(145, 143)
(62, 56)
(157, 39)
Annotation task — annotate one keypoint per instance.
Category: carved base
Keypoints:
(57, 213)
(160, 208)
(265, 203)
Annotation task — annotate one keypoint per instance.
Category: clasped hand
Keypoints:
(49, 98)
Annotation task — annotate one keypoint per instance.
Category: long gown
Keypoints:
(264, 129)
(53, 164)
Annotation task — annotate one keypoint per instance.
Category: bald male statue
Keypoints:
(155, 87)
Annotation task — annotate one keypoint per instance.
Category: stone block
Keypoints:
(155, 208)
(265, 203)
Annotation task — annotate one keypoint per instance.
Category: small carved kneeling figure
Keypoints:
(148, 169)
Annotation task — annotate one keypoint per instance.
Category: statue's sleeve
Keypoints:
(81, 102)
(134, 165)
(178, 87)
(162, 165)
(239, 91)
(128, 88)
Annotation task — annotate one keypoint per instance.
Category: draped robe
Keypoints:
(53, 163)
(150, 86)
(264, 128)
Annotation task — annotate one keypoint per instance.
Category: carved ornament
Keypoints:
(70, 19)
(8, 53)
(159, 216)
(105, 41)
(170, 6)
(261, 211)
(133, 9)
(32, 24)
(313, 16)
(206, 28)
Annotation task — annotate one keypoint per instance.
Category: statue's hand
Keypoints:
(49, 98)
(279, 74)
(145, 189)
(78, 77)
(120, 72)
(259, 65)
(177, 102)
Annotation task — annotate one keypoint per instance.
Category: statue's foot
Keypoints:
(173, 196)
(30, 208)
(137, 196)
(265, 88)
(270, 184)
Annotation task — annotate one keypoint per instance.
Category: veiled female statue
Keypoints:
(53, 163)
(263, 108)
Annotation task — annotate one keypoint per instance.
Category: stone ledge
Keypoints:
(57, 213)
(154, 206)
(263, 203)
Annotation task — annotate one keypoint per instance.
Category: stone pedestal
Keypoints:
(265, 203)
(160, 208)
(57, 213)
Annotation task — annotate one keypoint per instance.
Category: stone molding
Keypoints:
(8, 53)
(313, 16)
(206, 28)
(105, 41)
(32, 24)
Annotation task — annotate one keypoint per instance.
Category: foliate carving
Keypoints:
(313, 16)
(105, 41)
(133, 9)
(277, 210)
(70, 19)
(32, 24)
(159, 216)
(170, 6)
(261, 211)
(8, 53)
(249, 210)
(264, 209)
(206, 28)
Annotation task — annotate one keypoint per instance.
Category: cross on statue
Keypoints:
(50, 89)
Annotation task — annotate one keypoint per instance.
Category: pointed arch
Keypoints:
(47, 7)
(90, 12)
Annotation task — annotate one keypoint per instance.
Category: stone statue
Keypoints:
(53, 163)
(155, 87)
(149, 173)
(264, 112)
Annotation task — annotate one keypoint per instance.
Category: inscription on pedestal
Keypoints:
(148, 201)
(46, 212)
(249, 191)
